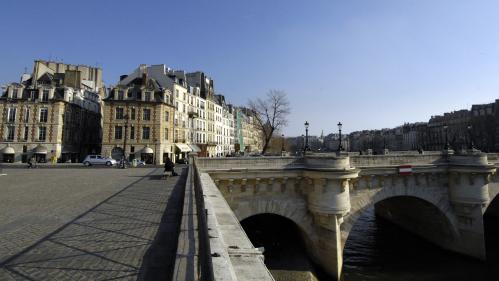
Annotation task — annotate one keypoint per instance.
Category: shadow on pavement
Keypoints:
(130, 235)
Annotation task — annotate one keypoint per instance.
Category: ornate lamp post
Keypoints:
(446, 130)
(123, 158)
(306, 136)
(282, 145)
(470, 133)
(340, 145)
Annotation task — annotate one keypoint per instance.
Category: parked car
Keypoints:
(98, 160)
(141, 163)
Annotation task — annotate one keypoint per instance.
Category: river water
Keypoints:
(376, 250)
(379, 250)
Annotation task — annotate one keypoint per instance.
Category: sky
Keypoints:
(369, 64)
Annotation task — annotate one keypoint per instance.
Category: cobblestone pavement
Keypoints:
(88, 224)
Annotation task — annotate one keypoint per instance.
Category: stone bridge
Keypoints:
(440, 197)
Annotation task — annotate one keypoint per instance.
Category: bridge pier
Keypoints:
(469, 177)
(329, 201)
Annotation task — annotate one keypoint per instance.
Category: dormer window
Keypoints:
(147, 96)
(121, 95)
(14, 93)
(45, 95)
(33, 95)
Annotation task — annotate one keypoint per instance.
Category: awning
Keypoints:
(147, 150)
(40, 149)
(183, 147)
(8, 150)
(195, 148)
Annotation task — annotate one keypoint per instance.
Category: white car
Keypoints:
(98, 160)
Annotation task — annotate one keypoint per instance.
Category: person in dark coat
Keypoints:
(169, 168)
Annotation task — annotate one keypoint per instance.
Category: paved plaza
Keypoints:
(88, 224)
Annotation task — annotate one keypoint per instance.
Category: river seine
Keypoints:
(376, 250)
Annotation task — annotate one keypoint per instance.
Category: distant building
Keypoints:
(54, 113)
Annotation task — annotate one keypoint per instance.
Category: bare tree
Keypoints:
(271, 114)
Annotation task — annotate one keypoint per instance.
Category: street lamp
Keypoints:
(446, 130)
(282, 147)
(306, 136)
(340, 146)
(471, 144)
(124, 142)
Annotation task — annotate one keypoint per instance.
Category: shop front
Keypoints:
(181, 152)
(40, 154)
(8, 154)
(147, 155)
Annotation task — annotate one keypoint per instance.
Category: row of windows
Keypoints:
(12, 112)
(148, 96)
(146, 133)
(146, 114)
(11, 131)
(33, 94)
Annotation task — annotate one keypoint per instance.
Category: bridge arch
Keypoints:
(294, 210)
(423, 202)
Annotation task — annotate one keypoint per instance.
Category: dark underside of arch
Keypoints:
(491, 231)
(280, 237)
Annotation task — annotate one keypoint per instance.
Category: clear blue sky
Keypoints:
(370, 64)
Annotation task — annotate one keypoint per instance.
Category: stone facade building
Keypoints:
(248, 139)
(138, 121)
(52, 114)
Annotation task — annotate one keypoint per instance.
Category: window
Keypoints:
(119, 113)
(176, 93)
(45, 95)
(129, 94)
(184, 109)
(11, 115)
(132, 114)
(166, 133)
(33, 95)
(10, 133)
(26, 133)
(145, 133)
(42, 133)
(121, 95)
(176, 105)
(44, 113)
(118, 132)
(147, 96)
(176, 122)
(147, 114)
(167, 116)
(132, 132)
(26, 115)
(14, 93)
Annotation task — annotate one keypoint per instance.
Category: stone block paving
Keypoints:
(130, 232)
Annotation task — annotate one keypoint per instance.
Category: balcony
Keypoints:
(193, 114)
